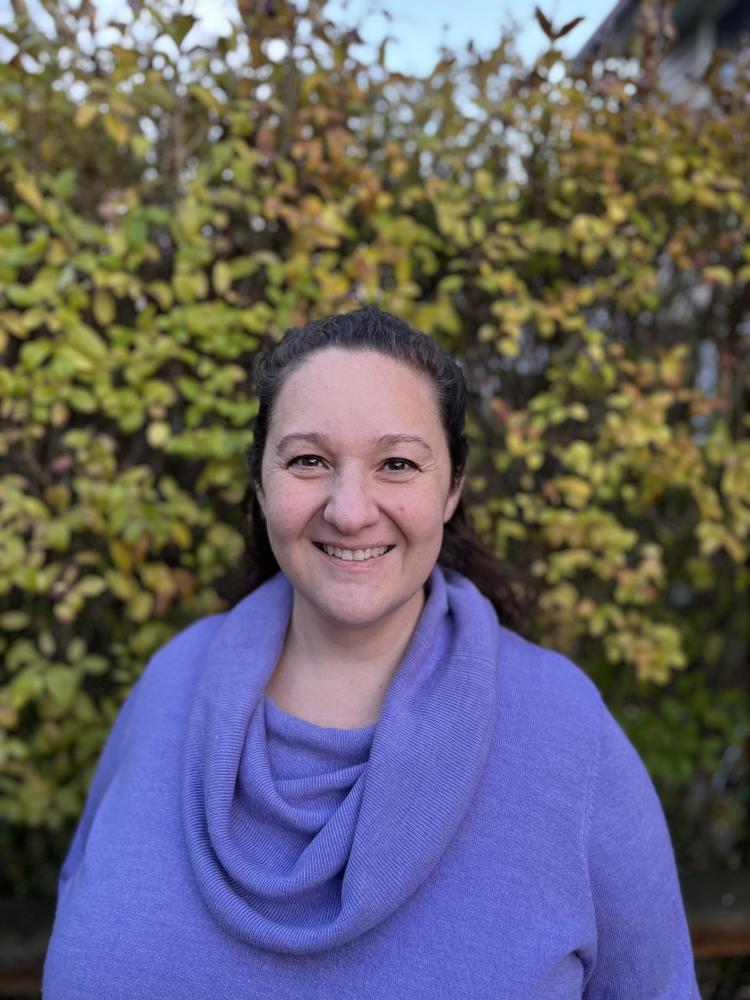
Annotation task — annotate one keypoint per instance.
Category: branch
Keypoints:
(64, 32)
(20, 9)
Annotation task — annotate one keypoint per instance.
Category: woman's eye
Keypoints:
(305, 462)
(399, 464)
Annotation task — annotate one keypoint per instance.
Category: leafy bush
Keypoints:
(580, 244)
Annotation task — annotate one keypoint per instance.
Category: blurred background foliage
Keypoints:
(576, 240)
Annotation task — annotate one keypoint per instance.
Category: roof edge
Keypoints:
(609, 25)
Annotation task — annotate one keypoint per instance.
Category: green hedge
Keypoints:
(580, 244)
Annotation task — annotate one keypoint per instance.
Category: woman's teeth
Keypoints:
(355, 555)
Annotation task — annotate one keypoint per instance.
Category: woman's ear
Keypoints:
(453, 498)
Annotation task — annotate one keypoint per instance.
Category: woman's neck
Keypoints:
(335, 676)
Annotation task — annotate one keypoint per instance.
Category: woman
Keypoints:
(357, 783)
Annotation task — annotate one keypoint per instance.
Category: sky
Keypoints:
(418, 27)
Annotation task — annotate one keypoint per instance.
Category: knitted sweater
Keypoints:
(494, 835)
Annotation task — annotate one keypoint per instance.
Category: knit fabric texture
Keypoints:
(495, 835)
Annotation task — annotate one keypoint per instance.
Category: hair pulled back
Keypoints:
(371, 329)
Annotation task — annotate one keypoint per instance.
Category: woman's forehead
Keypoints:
(364, 392)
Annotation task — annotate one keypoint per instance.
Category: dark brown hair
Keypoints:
(371, 329)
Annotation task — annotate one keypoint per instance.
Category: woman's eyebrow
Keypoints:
(307, 437)
(322, 441)
(392, 440)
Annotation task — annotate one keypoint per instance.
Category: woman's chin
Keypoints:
(350, 609)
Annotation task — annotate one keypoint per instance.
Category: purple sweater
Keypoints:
(494, 836)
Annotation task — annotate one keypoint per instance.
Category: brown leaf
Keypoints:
(265, 140)
(544, 24)
(567, 28)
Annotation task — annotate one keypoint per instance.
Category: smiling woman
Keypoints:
(359, 781)
(356, 527)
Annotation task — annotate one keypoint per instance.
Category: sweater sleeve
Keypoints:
(643, 948)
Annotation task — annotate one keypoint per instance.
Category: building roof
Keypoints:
(620, 13)
(621, 23)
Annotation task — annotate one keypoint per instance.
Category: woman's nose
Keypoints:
(351, 505)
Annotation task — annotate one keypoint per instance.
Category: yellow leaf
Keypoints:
(121, 584)
(508, 346)
(676, 165)
(222, 277)
(141, 606)
(140, 145)
(14, 621)
(190, 287)
(46, 642)
(91, 586)
(181, 534)
(617, 211)
(206, 98)
(10, 118)
(477, 229)
(578, 411)
(116, 128)
(158, 433)
(161, 291)
(103, 307)
(719, 275)
(121, 556)
(581, 227)
(81, 362)
(576, 492)
(85, 114)
(30, 193)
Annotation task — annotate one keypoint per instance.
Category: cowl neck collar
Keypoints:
(399, 810)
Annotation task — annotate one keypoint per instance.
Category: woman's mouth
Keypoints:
(354, 555)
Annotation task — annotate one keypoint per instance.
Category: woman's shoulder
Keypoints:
(536, 666)
(194, 635)
(527, 673)
(184, 651)
(547, 679)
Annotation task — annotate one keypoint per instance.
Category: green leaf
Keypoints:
(103, 307)
(136, 229)
(35, 352)
(14, 621)
(180, 26)
(86, 341)
(62, 683)
(222, 277)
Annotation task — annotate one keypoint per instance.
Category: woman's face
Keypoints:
(356, 486)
